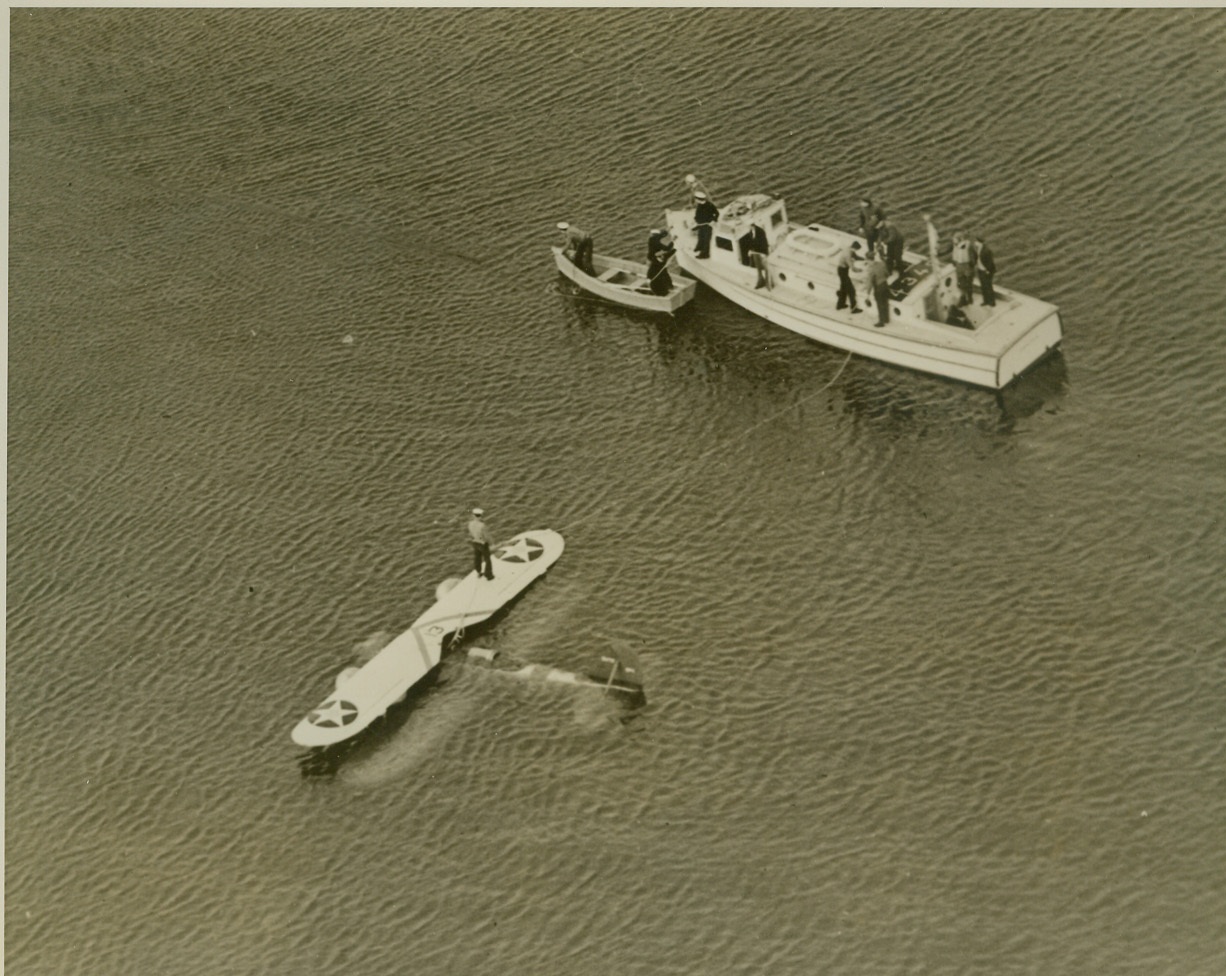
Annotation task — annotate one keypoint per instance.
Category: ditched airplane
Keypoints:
(612, 673)
(364, 694)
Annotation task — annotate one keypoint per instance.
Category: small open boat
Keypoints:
(626, 283)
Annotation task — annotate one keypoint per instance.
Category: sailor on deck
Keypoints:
(846, 265)
(878, 283)
(871, 217)
(757, 247)
(892, 237)
(659, 251)
(479, 536)
(579, 243)
(985, 264)
(933, 241)
(705, 214)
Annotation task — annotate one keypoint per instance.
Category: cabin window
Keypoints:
(776, 218)
(724, 243)
(782, 276)
(810, 286)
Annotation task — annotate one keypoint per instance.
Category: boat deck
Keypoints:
(625, 282)
(984, 345)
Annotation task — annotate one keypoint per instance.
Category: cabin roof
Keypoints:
(746, 203)
(808, 246)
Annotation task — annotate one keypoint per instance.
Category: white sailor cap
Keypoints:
(699, 195)
(478, 512)
(563, 225)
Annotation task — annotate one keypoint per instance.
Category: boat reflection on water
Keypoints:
(713, 342)
(1039, 388)
(914, 405)
(744, 358)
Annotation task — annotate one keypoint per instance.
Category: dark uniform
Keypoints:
(964, 268)
(705, 214)
(893, 239)
(659, 250)
(871, 216)
(985, 264)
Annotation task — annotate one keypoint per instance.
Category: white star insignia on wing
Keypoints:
(520, 551)
(333, 714)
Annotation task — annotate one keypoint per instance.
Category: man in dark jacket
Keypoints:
(964, 267)
(871, 217)
(985, 264)
(659, 251)
(892, 237)
(705, 215)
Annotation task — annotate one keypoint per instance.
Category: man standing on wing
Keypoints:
(479, 536)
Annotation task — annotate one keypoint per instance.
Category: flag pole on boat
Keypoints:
(932, 243)
(694, 183)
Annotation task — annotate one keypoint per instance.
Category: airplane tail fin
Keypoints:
(617, 668)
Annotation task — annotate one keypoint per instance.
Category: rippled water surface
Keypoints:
(935, 676)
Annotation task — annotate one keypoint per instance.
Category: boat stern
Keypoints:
(1031, 345)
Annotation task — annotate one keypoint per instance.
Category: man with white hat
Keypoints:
(705, 214)
(479, 536)
(579, 243)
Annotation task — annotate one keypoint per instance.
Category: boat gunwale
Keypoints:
(974, 355)
(629, 296)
